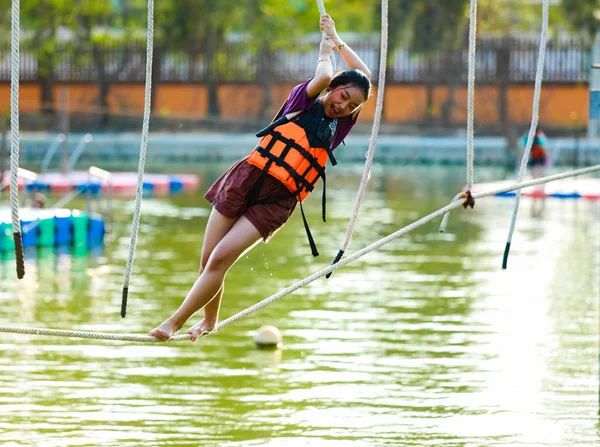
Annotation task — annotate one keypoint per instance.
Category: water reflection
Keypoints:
(424, 342)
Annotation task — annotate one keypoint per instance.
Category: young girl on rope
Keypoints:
(257, 195)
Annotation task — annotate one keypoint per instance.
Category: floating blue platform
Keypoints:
(52, 227)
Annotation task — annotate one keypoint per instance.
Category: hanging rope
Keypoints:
(14, 138)
(532, 129)
(304, 282)
(470, 114)
(142, 162)
(322, 12)
(374, 132)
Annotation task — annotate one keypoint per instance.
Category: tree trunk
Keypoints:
(3, 152)
(156, 63)
(265, 75)
(503, 77)
(211, 77)
(46, 79)
(453, 63)
(104, 84)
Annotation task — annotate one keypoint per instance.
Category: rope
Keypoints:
(532, 129)
(322, 12)
(470, 107)
(374, 132)
(14, 138)
(142, 162)
(304, 282)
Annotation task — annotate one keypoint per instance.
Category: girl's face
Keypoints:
(342, 101)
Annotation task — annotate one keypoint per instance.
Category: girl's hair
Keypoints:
(354, 78)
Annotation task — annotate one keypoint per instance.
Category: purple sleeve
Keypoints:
(299, 100)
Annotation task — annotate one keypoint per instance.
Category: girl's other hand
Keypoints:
(327, 47)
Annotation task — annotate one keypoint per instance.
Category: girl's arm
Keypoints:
(350, 57)
(324, 71)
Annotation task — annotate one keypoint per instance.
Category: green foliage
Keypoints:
(265, 26)
(580, 15)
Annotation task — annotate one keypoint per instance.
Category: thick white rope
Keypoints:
(142, 162)
(308, 280)
(374, 131)
(534, 123)
(14, 137)
(322, 12)
(470, 106)
(376, 120)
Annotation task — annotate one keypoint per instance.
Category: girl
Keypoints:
(256, 196)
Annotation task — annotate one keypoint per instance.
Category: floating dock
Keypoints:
(120, 183)
(52, 227)
(571, 188)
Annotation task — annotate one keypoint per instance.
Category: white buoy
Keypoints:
(268, 337)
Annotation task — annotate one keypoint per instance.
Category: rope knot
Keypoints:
(469, 200)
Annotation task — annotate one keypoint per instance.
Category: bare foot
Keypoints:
(205, 327)
(165, 331)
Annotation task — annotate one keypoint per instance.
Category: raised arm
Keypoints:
(324, 71)
(350, 57)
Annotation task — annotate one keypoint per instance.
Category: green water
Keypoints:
(426, 342)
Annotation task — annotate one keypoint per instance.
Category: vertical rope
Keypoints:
(375, 131)
(470, 106)
(14, 137)
(142, 162)
(322, 11)
(534, 122)
(471, 94)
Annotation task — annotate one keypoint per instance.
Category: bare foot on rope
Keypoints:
(200, 329)
(165, 331)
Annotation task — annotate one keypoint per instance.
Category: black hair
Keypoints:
(354, 78)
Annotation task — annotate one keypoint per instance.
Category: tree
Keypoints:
(97, 25)
(199, 27)
(580, 14)
(43, 18)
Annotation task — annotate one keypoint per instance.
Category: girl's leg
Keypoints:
(241, 238)
(216, 228)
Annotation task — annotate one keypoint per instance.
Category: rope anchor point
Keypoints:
(469, 200)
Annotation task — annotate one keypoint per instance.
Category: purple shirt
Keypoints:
(299, 100)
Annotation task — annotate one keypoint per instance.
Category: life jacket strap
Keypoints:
(324, 199)
(278, 122)
(311, 241)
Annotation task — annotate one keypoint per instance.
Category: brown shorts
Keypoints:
(230, 196)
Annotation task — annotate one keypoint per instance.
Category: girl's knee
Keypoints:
(219, 260)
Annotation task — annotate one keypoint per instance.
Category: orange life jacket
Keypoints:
(296, 151)
(538, 153)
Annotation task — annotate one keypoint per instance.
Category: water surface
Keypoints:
(425, 342)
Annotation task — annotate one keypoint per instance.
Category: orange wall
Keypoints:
(560, 105)
(29, 98)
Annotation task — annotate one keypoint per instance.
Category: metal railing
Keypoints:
(506, 59)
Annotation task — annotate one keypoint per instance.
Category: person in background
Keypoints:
(538, 156)
(39, 200)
